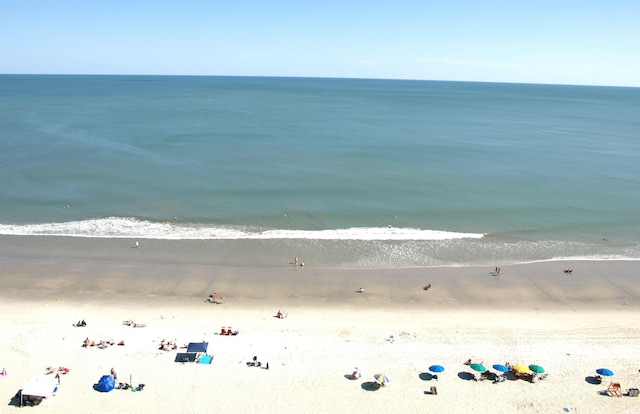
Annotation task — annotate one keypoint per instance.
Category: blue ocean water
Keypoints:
(353, 173)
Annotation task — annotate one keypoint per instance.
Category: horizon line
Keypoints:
(317, 77)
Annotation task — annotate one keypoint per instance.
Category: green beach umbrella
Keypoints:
(478, 367)
(536, 368)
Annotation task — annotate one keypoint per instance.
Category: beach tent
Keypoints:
(38, 387)
(106, 383)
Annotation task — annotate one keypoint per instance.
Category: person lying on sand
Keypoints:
(101, 344)
(361, 290)
(427, 287)
(129, 322)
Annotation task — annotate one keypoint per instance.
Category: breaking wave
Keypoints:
(119, 227)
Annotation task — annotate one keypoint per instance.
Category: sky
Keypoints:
(580, 42)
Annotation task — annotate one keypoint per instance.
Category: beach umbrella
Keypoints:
(521, 368)
(106, 383)
(356, 373)
(436, 368)
(381, 378)
(478, 367)
(605, 371)
(536, 368)
(500, 368)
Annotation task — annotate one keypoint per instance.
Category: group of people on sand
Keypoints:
(216, 298)
(100, 344)
(129, 322)
(281, 315)
(568, 270)
(59, 370)
(80, 324)
(168, 345)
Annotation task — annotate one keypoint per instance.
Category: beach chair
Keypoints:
(223, 331)
(614, 390)
(229, 330)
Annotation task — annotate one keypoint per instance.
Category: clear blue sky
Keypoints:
(530, 41)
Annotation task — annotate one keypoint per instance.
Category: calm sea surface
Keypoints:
(347, 173)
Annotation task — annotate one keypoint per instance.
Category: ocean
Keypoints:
(342, 172)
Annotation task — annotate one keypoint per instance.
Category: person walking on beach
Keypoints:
(114, 375)
(296, 261)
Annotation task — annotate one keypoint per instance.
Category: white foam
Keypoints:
(118, 227)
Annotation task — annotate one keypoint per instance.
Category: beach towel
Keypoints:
(205, 359)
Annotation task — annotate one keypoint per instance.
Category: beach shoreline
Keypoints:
(570, 324)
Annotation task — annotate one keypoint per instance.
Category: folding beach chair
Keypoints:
(614, 390)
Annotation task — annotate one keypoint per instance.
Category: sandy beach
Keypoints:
(570, 324)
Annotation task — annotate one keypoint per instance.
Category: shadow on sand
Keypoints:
(370, 386)
(426, 376)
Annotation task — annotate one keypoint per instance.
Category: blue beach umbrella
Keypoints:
(605, 371)
(106, 383)
(500, 368)
(436, 368)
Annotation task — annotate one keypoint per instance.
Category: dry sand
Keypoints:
(531, 314)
